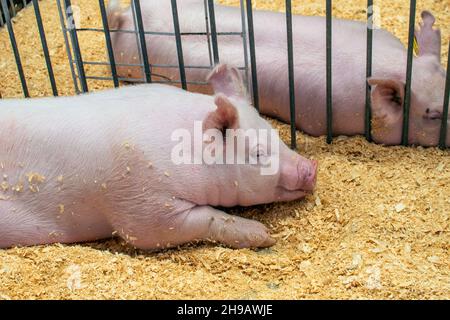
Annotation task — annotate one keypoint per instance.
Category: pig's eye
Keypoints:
(397, 99)
(432, 114)
(259, 153)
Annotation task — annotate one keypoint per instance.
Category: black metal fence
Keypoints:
(80, 78)
(14, 6)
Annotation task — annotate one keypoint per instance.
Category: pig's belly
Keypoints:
(25, 224)
(49, 211)
(315, 123)
(342, 125)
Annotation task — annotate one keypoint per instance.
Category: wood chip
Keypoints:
(390, 176)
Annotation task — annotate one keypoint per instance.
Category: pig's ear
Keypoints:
(387, 100)
(224, 117)
(227, 80)
(428, 39)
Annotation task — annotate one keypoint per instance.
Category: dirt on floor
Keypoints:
(377, 226)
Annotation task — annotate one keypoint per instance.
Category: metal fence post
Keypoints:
(109, 46)
(1, 17)
(244, 43)
(329, 8)
(443, 137)
(409, 65)
(142, 41)
(12, 39)
(291, 73)
(176, 26)
(251, 41)
(368, 113)
(48, 61)
(68, 49)
(75, 44)
(212, 21)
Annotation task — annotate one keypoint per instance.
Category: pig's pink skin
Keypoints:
(113, 151)
(349, 66)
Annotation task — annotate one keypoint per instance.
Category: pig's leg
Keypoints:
(217, 226)
(202, 223)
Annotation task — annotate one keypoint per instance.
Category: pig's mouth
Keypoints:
(309, 174)
(306, 182)
(284, 194)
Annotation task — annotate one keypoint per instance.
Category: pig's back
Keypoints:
(36, 129)
(77, 124)
(309, 36)
(156, 98)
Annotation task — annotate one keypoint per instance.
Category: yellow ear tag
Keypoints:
(416, 46)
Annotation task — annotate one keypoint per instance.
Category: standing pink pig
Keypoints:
(83, 168)
(349, 67)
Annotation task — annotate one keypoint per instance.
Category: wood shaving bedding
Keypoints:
(377, 227)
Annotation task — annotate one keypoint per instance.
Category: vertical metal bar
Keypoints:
(443, 138)
(140, 25)
(48, 61)
(138, 42)
(329, 42)
(368, 113)
(291, 73)
(176, 26)
(68, 50)
(244, 42)
(212, 21)
(251, 42)
(409, 65)
(112, 60)
(205, 5)
(75, 44)
(1, 17)
(13, 8)
(12, 38)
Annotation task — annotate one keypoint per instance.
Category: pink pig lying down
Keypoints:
(88, 167)
(349, 67)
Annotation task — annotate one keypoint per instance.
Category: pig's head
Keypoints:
(427, 95)
(275, 173)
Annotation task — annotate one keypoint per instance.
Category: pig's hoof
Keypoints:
(252, 235)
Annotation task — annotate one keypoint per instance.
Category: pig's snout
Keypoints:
(309, 176)
(300, 176)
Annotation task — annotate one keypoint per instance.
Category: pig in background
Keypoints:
(349, 67)
(88, 167)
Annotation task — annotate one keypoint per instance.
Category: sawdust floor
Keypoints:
(377, 227)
